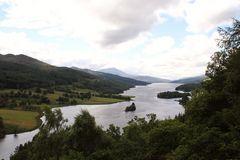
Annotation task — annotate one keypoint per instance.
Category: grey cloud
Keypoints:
(123, 34)
(225, 15)
(132, 17)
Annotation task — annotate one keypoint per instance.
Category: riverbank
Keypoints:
(19, 121)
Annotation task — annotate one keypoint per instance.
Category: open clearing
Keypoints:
(23, 120)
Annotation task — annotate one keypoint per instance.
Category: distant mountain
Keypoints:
(112, 77)
(21, 71)
(196, 79)
(151, 79)
(148, 79)
(116, 72)
(88, 71)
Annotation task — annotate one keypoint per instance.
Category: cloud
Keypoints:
(159, 45)
(189, 59)
(73, 18)
(18, 42)
(204, 15)
(130, 18)
(110, 23)
(103, 21)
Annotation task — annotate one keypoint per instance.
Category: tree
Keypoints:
(44, 100)
(50, 140)
(2, 132)
(86, 136)
(212, 115)
(73, 102)
(230, 43)
(230, 36)
(114, 132)
(38, 90)
(165, 138)
(54, 119)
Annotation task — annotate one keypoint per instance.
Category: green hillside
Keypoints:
(21, 71)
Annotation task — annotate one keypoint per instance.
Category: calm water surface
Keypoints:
(146, 102)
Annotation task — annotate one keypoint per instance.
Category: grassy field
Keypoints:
(54, 96)
(22, 111)
(19, 121)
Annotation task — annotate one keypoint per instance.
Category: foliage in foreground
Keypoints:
(209, 129)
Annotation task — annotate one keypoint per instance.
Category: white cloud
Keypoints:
(158, 45)
(204, 15)
(110, 22)
(18, 42)
(103, 21)
(189, 59)
(113, 22)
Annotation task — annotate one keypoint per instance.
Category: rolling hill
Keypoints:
(21, 71)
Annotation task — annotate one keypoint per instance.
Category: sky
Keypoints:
(163, 38)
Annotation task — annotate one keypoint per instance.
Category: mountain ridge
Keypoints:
(145, 78)
(193, 79)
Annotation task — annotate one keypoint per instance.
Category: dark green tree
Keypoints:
(86, 136)
(54, 119)
(2, 131)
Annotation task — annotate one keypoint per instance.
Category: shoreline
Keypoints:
(40, 122)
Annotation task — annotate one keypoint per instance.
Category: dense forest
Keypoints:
(209, 128)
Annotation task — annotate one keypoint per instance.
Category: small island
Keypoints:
(173, 94)
(131, 108)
